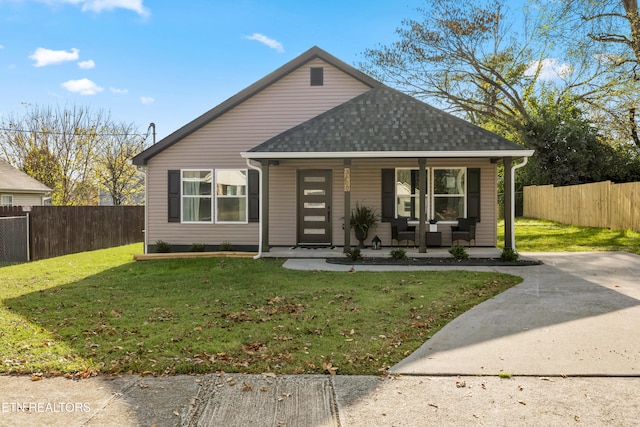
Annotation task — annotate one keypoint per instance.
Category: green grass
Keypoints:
(101, 312)
(535, 235)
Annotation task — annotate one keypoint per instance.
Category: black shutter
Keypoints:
(388, 194)
(253, 191)
(473, 193)
(173, 206)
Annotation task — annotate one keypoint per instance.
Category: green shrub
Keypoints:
(198, 247)
(354, 254)
(226, 246)
(458, 252)
(163, 247)
(509, 254)
(399, 254)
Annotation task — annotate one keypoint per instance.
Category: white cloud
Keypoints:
(45, 57)
(118, 91)
(146, 100)
(101, 5)
(82, 86)
(273, 44)
(87, 65)
(550, 69)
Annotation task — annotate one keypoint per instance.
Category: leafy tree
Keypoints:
(607, 31)
(42, 165)
(569, 149)
(115, 173)
(470, 58)
(64, 148)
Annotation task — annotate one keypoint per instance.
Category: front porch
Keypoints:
(385, 252)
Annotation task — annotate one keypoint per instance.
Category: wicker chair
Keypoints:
(401, 230)
(465, 230)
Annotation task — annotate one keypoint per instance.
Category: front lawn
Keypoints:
(101, 312)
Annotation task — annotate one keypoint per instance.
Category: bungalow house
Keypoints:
(284, 161)
(19, 189)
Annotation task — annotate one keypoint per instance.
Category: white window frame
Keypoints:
(183, 196)
(5, 197)
(245, 195)
(412, 195)
(434, 195)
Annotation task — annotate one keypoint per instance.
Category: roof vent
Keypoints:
(317, 76)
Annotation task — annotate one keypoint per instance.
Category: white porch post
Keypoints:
(509, 211)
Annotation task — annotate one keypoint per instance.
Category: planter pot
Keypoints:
(361, 235)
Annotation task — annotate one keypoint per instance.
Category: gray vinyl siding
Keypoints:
(366, 189)
(25, 199)
(217, 145)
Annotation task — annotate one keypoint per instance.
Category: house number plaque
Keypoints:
(347, 179)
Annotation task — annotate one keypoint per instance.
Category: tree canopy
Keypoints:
(76, 152)
(543, 76)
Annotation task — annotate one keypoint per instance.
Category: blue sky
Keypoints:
(167, 61)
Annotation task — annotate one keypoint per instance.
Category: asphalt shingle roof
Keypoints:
(14, 180)
(384, 119)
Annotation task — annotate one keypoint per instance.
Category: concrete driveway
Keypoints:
(576, 315)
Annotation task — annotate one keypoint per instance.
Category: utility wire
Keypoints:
(145, 136)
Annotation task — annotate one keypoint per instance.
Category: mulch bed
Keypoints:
(445, 262)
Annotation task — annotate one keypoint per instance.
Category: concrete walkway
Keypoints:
(565, 340)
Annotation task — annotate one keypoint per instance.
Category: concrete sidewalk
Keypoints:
(575, 316)
(338, 401)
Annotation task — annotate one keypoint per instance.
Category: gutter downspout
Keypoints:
(249, 164)
(513, 201)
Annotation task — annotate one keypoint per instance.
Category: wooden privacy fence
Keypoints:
(61, 230)
(600, 204)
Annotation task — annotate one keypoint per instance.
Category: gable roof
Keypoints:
(384, 122)
(13, 180)
(311, 54)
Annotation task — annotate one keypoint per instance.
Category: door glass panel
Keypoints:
(313, 205)
(314, 179)
(314, 192)
(314, 231)
(314, 218)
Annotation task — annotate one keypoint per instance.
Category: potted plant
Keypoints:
(363, 218)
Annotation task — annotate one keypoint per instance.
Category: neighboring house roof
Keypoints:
(384, 122)
(311, 54)
(13, 180)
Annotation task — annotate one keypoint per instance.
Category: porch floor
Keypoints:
(385, 252)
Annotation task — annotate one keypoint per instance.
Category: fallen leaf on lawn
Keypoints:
(461, 384)
(433, 405)
(246, 387)
(176, 413)
(327, 366)
(198, 329)
(521, 402)
(264, 388)
(115, 313)
(36, 377)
